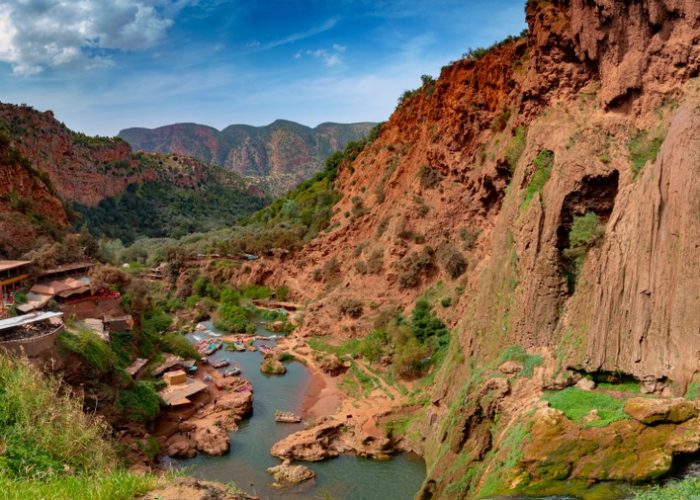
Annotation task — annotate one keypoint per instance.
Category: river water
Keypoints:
(342, 478)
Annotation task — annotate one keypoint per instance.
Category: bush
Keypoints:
(351, 308)
(468, 237)
(544, 161)
(414, 265)
(179, 345)
(429, 177)
(452, 261)
(95, 351)
(642, 149)
(140, 402)
(375, 261)
(427, 327)
(230, 316)
(586, 230)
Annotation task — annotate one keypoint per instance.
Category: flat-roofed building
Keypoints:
(13, 276)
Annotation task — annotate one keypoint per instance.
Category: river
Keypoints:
(342, 478)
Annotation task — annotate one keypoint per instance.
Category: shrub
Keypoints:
(586, 230)
(426, 326)
(452, 261)
(282, 293)
(351, 308)
(468, 237)
(515, 147)
(230, 316)
(95, 351)
(140, 402)
(446, 302)
(429, 177)
(544, 161)
(643, 148)
(375, 261)
(331, 268)
(179, 345)
(414, 265)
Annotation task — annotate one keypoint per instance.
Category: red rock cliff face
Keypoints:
(451, 168)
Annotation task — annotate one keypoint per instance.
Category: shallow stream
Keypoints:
(342, 478)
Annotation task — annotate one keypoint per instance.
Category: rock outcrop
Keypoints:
(288, 474)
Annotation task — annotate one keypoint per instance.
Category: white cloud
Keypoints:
(330, 57)
(40, 34)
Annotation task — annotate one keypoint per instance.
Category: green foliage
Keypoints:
(158, 209)
(179, 345)
(43, 430)
(586, 231)
(140, 402)
(95, 351)
(515, 147)
(643, 147)
(254, 292)
(684, 489)
(426, 326)
(622, 386)
(510, 453)
(544, 161)
(577, 403)
(446, 302)
(230, 316)
(115, 485)
(693, 391)
(520, 355)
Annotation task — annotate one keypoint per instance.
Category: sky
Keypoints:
(103, 65)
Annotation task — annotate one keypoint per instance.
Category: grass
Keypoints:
(515, 147)
(643, 147)
(624, 386)
(179, 345)
(685, 489)
(116, 485)
(693, 391)
(43, 430)
(140, 402)
(511, 450)
(520, 355)
(95, 351)
(577, 404)
(544, 162)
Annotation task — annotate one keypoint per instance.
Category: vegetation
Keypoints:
(351, 308)
(429, 177)
(515, 147)
(452, 261)
(88, 345)
(158, 209)
(643, 147)
(520, 355)
(179, 345)
(140, 402)
(685, 489)
(544, 161)
(586, 231)
(577, 404)
(230, 316)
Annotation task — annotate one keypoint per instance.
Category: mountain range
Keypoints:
(276, 157)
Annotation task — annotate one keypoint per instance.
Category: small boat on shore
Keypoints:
(286, 417)
(240, 346)
(220, 364)
(213, 347)
(265, 349)
(232, 372)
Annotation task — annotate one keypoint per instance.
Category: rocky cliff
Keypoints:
(550, 188)
(281, 154)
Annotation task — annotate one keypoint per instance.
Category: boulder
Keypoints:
(212, 440)
(653, 411)
(310, 445)
(286, 474)
(332, 365)
(585, 384)
(194, 489)
(180, 446)
(510, 367)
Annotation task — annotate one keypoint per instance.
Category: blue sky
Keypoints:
(106, 65)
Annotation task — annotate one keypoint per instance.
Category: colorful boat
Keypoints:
(232, 372)
(220, 364)
(213, 347)
(240, 346)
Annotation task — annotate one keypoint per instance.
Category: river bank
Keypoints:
(308, 391)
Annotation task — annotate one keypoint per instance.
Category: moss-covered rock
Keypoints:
(651, 411)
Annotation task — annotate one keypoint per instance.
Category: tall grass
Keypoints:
(44, 430)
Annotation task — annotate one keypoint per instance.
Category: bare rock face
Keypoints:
(180, 446)
(287, 474)
(311, 445)
(212, 440)
(652, 411)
